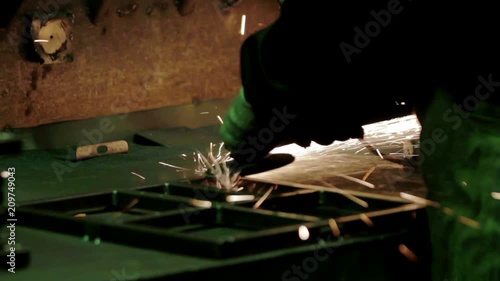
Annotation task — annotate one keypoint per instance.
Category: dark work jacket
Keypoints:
(336, 65)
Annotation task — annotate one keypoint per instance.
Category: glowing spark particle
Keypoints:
(172, 166)
(4, 174)
(368, 173)
(347, 195)
(220, 119)
(264, 197)
(366, 220)
(495, 195)
(358, 151)
(239, 198)
(392, 134)
(137, 175)
(408, 253)
(220, 150)
(448, 211)
(243, 24)
(469, 222)
(356, 180)
(200, 203)
(41, 41)
(303, 233)
(335, 228)
(131, 205)
(418, 200)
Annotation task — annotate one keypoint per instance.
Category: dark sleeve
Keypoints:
(276, 75)
(280, 59)
(297, 62)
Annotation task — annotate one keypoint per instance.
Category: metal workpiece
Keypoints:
(192, 219)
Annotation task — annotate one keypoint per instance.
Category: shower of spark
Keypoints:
(407, 126)
(216, 168)
(391, 135)
(386, 137)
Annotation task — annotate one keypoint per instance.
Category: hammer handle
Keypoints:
(101, 149)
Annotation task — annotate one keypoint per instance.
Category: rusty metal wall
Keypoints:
(129, 63)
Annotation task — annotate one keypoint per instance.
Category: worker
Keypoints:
(323, 70)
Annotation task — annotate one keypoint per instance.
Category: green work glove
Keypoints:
(460, 150)
(238, 123)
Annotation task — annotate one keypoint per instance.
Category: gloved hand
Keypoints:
(247, 134)
(250, 134)
(239, 121)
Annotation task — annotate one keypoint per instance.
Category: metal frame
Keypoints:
(174, 218)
